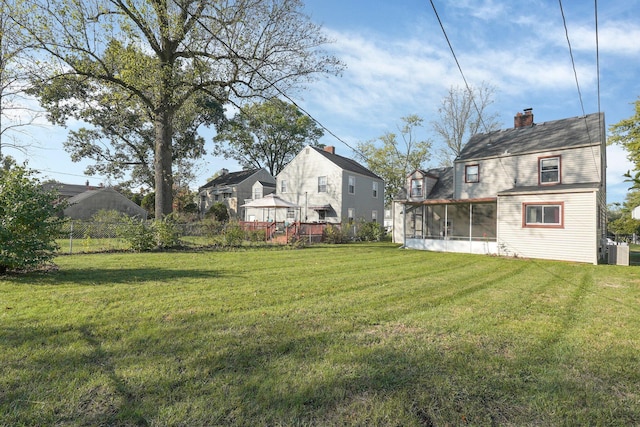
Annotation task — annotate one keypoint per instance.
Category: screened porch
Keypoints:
(451, 227)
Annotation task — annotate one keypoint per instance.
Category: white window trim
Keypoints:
(541, 172)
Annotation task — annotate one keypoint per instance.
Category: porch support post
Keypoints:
(446, 222)
(404, 224)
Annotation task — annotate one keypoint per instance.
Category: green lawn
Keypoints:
(363, 334)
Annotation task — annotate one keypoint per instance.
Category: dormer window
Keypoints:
(416, 188)
(549, 170)
(472, 173)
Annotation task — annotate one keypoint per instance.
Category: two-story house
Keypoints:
(234, 188)
(537, 190)
(331, 188)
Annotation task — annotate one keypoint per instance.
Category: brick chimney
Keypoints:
(330, 149)
(523, 119)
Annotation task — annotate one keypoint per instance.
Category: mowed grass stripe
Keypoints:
(332, 335)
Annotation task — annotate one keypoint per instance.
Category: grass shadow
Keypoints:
(103, 276)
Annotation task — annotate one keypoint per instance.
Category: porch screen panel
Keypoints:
(413, 214)
(434, 221)
(458, 222)
(484, 221)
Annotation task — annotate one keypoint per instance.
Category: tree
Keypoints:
(164, 54)
(627, 134)
(619, 219)
(122, 140)
(15, 114)
(266, 135)
(463, 113)
(28, 222)
(394, 160)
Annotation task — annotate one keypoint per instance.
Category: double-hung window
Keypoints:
(472, 173)
(549, 170)
(416, 188)
(322, 184)
(375, 190)
(543, 215)
(352, 184)
(283, 186)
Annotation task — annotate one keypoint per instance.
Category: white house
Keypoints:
(330, 188)
(537, 190)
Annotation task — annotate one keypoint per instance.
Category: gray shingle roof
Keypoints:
(553, 135)
(231, 178)
(444, 187)
(346, 163)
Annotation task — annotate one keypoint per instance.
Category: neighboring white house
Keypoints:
(234, 189)
(535, 191)
(329, 188)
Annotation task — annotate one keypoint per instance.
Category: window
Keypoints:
(257, 193)
(543, 215)
(283, 186)
(322, 184)
(352, 185)
(374, 216)
(291, 213)
(416, 188)
(472, 173)
(350, 214)
(549, 170)
(322, 215)
(375, 190)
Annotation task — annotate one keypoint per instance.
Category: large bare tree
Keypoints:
(462, 114)
(165, 53)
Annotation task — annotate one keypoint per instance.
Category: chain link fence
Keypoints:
(97, 236)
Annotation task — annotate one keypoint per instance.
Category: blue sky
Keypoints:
(399, 63)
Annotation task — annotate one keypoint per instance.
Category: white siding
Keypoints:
(302, 175)
(576, 241)
(578, 165)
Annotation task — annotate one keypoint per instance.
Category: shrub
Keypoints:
(334, 234)
(137, 233)
(370, 231)
(166, 233)
(219, 212)
(28, 221)
(233, 235)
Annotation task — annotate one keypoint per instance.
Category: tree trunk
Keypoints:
(163, 165)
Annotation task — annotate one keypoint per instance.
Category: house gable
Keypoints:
(330, 187)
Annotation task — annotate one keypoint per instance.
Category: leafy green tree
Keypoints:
(627, 134)
(28, 221)
(462, 114)
(159, 57)
(266, 135)
(620, 221)
(121, 138)
(219, 212)
(15, 114)
(394, 159)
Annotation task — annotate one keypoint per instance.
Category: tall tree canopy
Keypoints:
(462, 114)
(393, 160)
(266, 135)
(163, 55)
(15, 113)
(627, 134)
